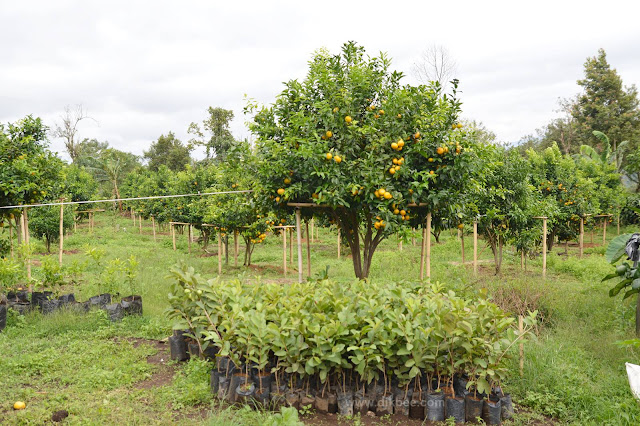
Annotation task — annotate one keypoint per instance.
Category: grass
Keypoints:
(573, 372)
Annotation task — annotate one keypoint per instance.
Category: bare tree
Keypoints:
(435, 64)
(68, 128)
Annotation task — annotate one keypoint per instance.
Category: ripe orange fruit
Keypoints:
(440, 150)
(446, 149)
(377, 193)
(314, 195)
(400, 144)
(431, 160)
(396, 211)
(460, 226)
(459, 126)
(407, 217)
(338, 159)
(382, 191)
(348, 119)
(381, 112)
(403, 212)
(329, 134)
(335, 109)
(395, 161)
(388, 195)
(394, 145)
(277, 199)
(329, 156)
(287, 181)
(19, 405)
(410, 191)
(392, 171)
(399, 115)
(281, 191)
(416, 135)
(431, 172)
(376, 116)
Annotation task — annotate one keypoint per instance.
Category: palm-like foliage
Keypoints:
(608, 155)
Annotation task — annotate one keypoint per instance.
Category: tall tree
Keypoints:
(605, 105)
(215, 134)
(169, 151)
(68, 128)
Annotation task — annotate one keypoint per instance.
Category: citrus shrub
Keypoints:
(352, 139)
(347, 336)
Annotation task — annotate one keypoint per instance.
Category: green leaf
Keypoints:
(615, 249)
(631, 292)
(622, 284)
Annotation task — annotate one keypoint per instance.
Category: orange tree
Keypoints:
(238, 212)
(569, 193)
(353, 140)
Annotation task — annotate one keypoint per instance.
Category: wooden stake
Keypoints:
(311, 230)
(26, 239)
(522, 259)
(173, 235)
(475, 247)
(581, 236)
(235, 248)
(400, 244)
(339, 242)
(291, 246)
(11, 236)
(140, 223)
(308, 250)
(61, 233)
(544, 248)
(618, 223)
(133, 217)
(219, 253)
(422, 249)
(284, 251)
(521, 331)
(299, 237)
(189, 237)
(153, 226)
(604, 229)
(413, 237)
(461, 235)
(428, 245)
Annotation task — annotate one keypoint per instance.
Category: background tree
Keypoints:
(44, 223)
(605, 105)
(435, 64)
(168, 151)
(111, 167)
(88, 151)
(215, 134)
(68, 128)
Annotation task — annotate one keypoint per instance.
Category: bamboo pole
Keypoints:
(308, 249)
(284, 251)
(153, 226)
(235, 248)
(189, 237)
(604, 229)
(521, 331)
(544, 248)
(219, 253)
(290, 246)
(339, 243)
(299, 237)
(422, 248)
(173, 235)
(428, 245)
(475, 247)
(61, 233)
(400, 244)
(91, 221)
(140, 223)
(581, 236)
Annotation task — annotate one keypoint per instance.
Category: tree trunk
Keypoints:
(117, 191)
(349, 228)
(550, 239)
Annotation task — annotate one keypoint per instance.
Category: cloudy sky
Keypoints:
(144, 68)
